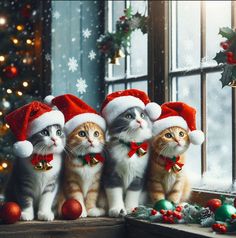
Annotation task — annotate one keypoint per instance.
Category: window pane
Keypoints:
(187, 89)
(142, 85)
(186, 27)
(117, 87)
(219, 134)
(138, 51)
(117, 10)
(213, 23)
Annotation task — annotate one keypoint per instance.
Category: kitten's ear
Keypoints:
(153, 110)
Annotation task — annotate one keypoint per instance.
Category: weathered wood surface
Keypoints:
(144, 229)
(81, 228)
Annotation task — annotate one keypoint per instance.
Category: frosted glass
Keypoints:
(218, 14)
(219, 130)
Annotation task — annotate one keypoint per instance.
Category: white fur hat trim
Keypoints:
(196, 137)
(153, 110)
(23, 149)
(119, 105)
(82, 118)
(48, 100)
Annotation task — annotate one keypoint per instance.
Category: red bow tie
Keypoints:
(90, 157)
(172, 163)
(135, 148)
(38, 158)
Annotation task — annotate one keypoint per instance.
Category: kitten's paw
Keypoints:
(96, 212)
(27, 216)
(84, 213)
(117, 212)
(46, 216)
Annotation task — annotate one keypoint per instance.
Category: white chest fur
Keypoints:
(86, 174)
(128, 167)
(44, 177)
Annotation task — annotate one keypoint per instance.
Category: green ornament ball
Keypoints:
(224, 212)
(163, 204)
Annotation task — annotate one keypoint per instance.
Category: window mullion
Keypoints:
(203, 88)
(233, 23)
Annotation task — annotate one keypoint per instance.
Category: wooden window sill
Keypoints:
(81, 228)
(141, 229)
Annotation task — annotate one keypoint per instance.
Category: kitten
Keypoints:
(167, 180)
(125, 167)
(35, 190)
(82, 172)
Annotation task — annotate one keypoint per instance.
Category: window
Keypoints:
(194, 79)
(132, 71)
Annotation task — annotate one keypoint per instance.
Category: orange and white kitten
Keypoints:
(83, 167)
(166, 178)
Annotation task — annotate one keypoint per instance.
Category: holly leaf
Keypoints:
(226, 75)
(227, 32)
(220, 57)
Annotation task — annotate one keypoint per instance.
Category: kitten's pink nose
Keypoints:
(54, 140)
(90, 141)
(138, 121)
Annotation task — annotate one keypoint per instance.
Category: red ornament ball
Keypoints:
(71, 209)
(11, 71)
(213, 204)
(10, 212)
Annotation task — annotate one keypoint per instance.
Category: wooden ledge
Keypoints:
(140, 229)
(101, 227)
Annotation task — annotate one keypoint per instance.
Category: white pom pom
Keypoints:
(196, 137)
(153, 110)
(23, 149)
(48, 100)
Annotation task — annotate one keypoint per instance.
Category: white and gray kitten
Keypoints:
(124, 175)
(34, 190)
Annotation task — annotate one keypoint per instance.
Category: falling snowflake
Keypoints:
(81, 85)
(72, 64)
(86, 33)
(91, 55)
(56, 15)
(47, 57)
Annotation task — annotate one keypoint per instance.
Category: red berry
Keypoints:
(169, 213)
(162, 211)
(165, 219)
(178, 208)
(213, 204)
(154, 212)
(224, 45)
(171, 220)
(223, 229)
(233, 216)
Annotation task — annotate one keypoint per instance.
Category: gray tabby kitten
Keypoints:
(34, 190)
(125, 168)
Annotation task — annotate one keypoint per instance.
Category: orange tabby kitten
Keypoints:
(166, 179)
(83, 167)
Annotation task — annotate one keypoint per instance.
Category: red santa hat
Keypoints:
(29, 120)
(76, 111)
(118, 102)
(182, 115)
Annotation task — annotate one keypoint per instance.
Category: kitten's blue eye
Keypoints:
(82, 133)
(45, 132)
(181, 133)
(142, 115)
(59, 132)
(168, 135)
(128, 116)
(96, 133)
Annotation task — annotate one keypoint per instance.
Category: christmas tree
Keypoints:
(18, 69)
